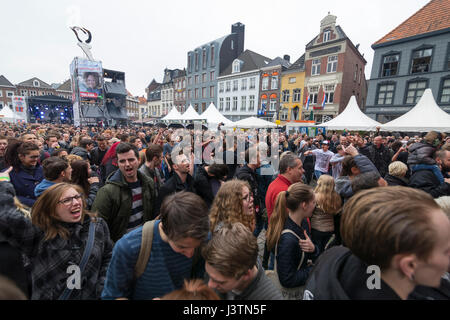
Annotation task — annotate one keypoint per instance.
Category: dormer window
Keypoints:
(36, 83)
(326, 36)
(236, 66)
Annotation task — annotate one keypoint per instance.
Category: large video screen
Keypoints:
(90, 79)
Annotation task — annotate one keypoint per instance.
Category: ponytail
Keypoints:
(291, 199)
(277, 220)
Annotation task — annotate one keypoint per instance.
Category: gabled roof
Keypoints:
(251, 61)
(434, 16)
(5, 82)
(153, 85)
(66, 86)
(299, 64)
(29, 83)
(341, 36)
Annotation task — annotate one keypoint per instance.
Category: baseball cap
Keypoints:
(325, 142)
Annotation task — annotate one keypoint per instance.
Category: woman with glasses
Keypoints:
(69, 248)
(233, 203)
(27, 173)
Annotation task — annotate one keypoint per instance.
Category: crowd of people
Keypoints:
(120, 213)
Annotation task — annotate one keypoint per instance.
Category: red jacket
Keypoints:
(277, 185)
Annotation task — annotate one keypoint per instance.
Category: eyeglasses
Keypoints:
(69, 200)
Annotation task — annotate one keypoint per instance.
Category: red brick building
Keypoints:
(334, 71)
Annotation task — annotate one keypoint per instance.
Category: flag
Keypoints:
(307, 102)
(324, 99)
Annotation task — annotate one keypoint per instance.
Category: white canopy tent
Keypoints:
(352, 118)
(213, 117)
(191, 114)
(6, 114)
(424, 117)
(173, 115)
(251, 123)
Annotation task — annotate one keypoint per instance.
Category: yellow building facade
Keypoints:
(291, 93)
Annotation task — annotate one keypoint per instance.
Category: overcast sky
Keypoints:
(142, 38)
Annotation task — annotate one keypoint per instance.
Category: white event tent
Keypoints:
(173, 115)
(424, 117)
(352, 118)
(191, 114)
(213, 117)
(251, 123)
(6, 114)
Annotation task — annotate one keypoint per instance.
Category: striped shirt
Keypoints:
(137, 209)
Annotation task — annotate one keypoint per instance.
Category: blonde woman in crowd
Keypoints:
(328, 204)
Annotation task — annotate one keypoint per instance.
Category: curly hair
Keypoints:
(228, 206)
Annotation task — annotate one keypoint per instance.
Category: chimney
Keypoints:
(239, 29)
(287, 58)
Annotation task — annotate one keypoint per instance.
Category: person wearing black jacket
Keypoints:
(86, 145)
(99, 152)
(248, 173)
(380, 156)
(181, 180)
(387, 262)
(396, 175)
(208, 179)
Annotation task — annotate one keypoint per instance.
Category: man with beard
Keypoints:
(427, 180)
(127, 199)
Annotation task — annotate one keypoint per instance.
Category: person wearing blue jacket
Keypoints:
(183, 227)
(26, 173)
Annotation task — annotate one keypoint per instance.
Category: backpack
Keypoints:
(146, 248)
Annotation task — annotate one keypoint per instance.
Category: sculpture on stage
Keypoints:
(84, 45)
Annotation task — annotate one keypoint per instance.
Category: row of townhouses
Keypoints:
(320, 82)
(243, 83)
